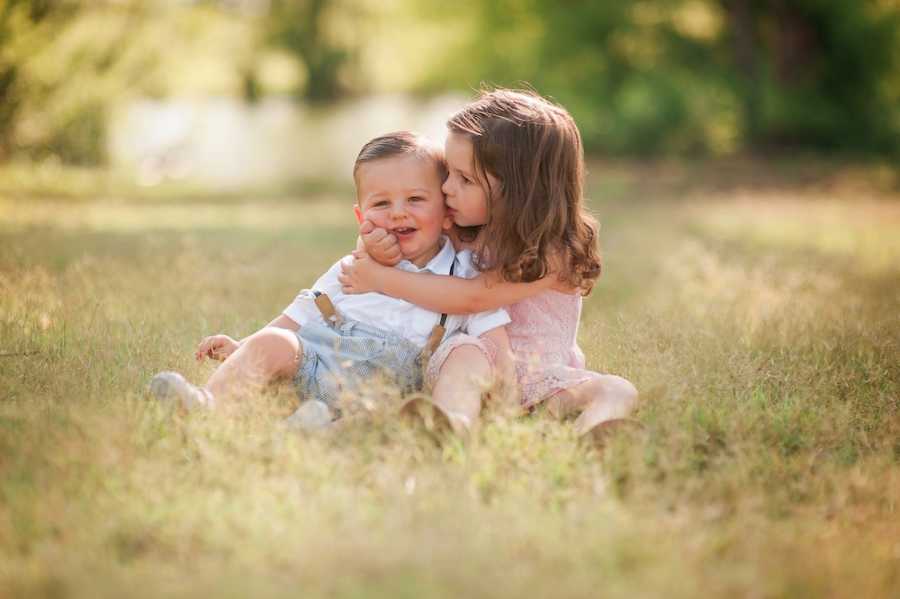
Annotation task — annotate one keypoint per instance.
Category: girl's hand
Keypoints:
(217, 347)
(379, 244)
(362, 275)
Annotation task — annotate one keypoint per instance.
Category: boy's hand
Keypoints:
(379, 244)
(217, 347)
(361, 275)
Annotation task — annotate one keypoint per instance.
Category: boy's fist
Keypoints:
(217, 347)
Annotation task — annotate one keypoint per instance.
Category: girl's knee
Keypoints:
(468, 357)
(621, 388)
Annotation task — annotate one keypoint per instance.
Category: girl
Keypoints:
(516, 172)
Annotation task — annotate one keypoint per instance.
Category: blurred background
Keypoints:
(242, 93)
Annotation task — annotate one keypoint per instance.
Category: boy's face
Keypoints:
(402, 194)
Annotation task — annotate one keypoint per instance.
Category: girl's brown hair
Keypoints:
(537, 222)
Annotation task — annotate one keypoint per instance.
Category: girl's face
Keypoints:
(466, 193)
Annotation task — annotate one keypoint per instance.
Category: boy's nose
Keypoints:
(398, 210)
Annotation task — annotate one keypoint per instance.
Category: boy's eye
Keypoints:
(416, 199)
(381, 204)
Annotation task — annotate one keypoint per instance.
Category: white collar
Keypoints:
(439, 265)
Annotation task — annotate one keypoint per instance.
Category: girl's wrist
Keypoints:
(378, 280)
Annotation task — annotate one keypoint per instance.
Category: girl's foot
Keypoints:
(435, 419)
(173, 389)
(600, 433)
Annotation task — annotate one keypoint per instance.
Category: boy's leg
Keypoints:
(604, 398)
(268, 354)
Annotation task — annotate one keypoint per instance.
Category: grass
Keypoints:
(757, 309)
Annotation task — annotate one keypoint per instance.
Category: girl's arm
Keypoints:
(452, 295)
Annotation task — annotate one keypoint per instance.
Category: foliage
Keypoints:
(76, 64)
(696, 75)
(305, 29)
(641, 76)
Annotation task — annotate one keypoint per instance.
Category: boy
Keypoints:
(328, 341)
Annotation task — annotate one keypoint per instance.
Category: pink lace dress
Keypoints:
(542, 335)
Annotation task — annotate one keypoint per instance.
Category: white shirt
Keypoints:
(393, 314)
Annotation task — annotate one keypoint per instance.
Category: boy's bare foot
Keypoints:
(174, 390)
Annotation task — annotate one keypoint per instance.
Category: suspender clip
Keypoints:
(329, 312)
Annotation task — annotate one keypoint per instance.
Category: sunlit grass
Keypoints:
(761, 324)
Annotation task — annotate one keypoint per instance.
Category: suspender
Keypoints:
(437, 333)
(329, 313)
(326, 308)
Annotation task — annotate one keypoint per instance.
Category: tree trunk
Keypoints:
(745, 47)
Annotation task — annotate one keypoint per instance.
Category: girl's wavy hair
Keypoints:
(537, 222)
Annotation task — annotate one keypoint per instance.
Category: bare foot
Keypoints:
(434, 419)
(600, 433)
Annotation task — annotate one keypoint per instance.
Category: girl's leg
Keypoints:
(268, 354)
(603, 399)
(460, 385)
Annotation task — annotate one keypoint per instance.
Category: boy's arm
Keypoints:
(452, 295)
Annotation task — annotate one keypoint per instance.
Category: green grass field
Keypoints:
(756, 308)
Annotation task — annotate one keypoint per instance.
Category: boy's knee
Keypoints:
(280, 348)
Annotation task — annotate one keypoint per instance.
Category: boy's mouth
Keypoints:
(402, 232)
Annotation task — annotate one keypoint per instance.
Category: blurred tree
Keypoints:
(302, 28)
(65, 65)
(817, 74)
(693, 75)
(25, 27)
(640, 76)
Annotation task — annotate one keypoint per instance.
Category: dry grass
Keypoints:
(762, 322)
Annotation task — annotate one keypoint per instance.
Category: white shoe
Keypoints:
(313, 414)
(173, 389)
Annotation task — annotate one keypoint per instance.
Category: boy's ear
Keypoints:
(358, 213)
(448, 223)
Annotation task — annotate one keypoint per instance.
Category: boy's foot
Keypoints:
(313, 414)
(173, 389)
(435, 419)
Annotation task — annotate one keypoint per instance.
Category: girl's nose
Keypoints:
(445, 187)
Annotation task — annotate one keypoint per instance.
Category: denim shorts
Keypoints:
(338, 360)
